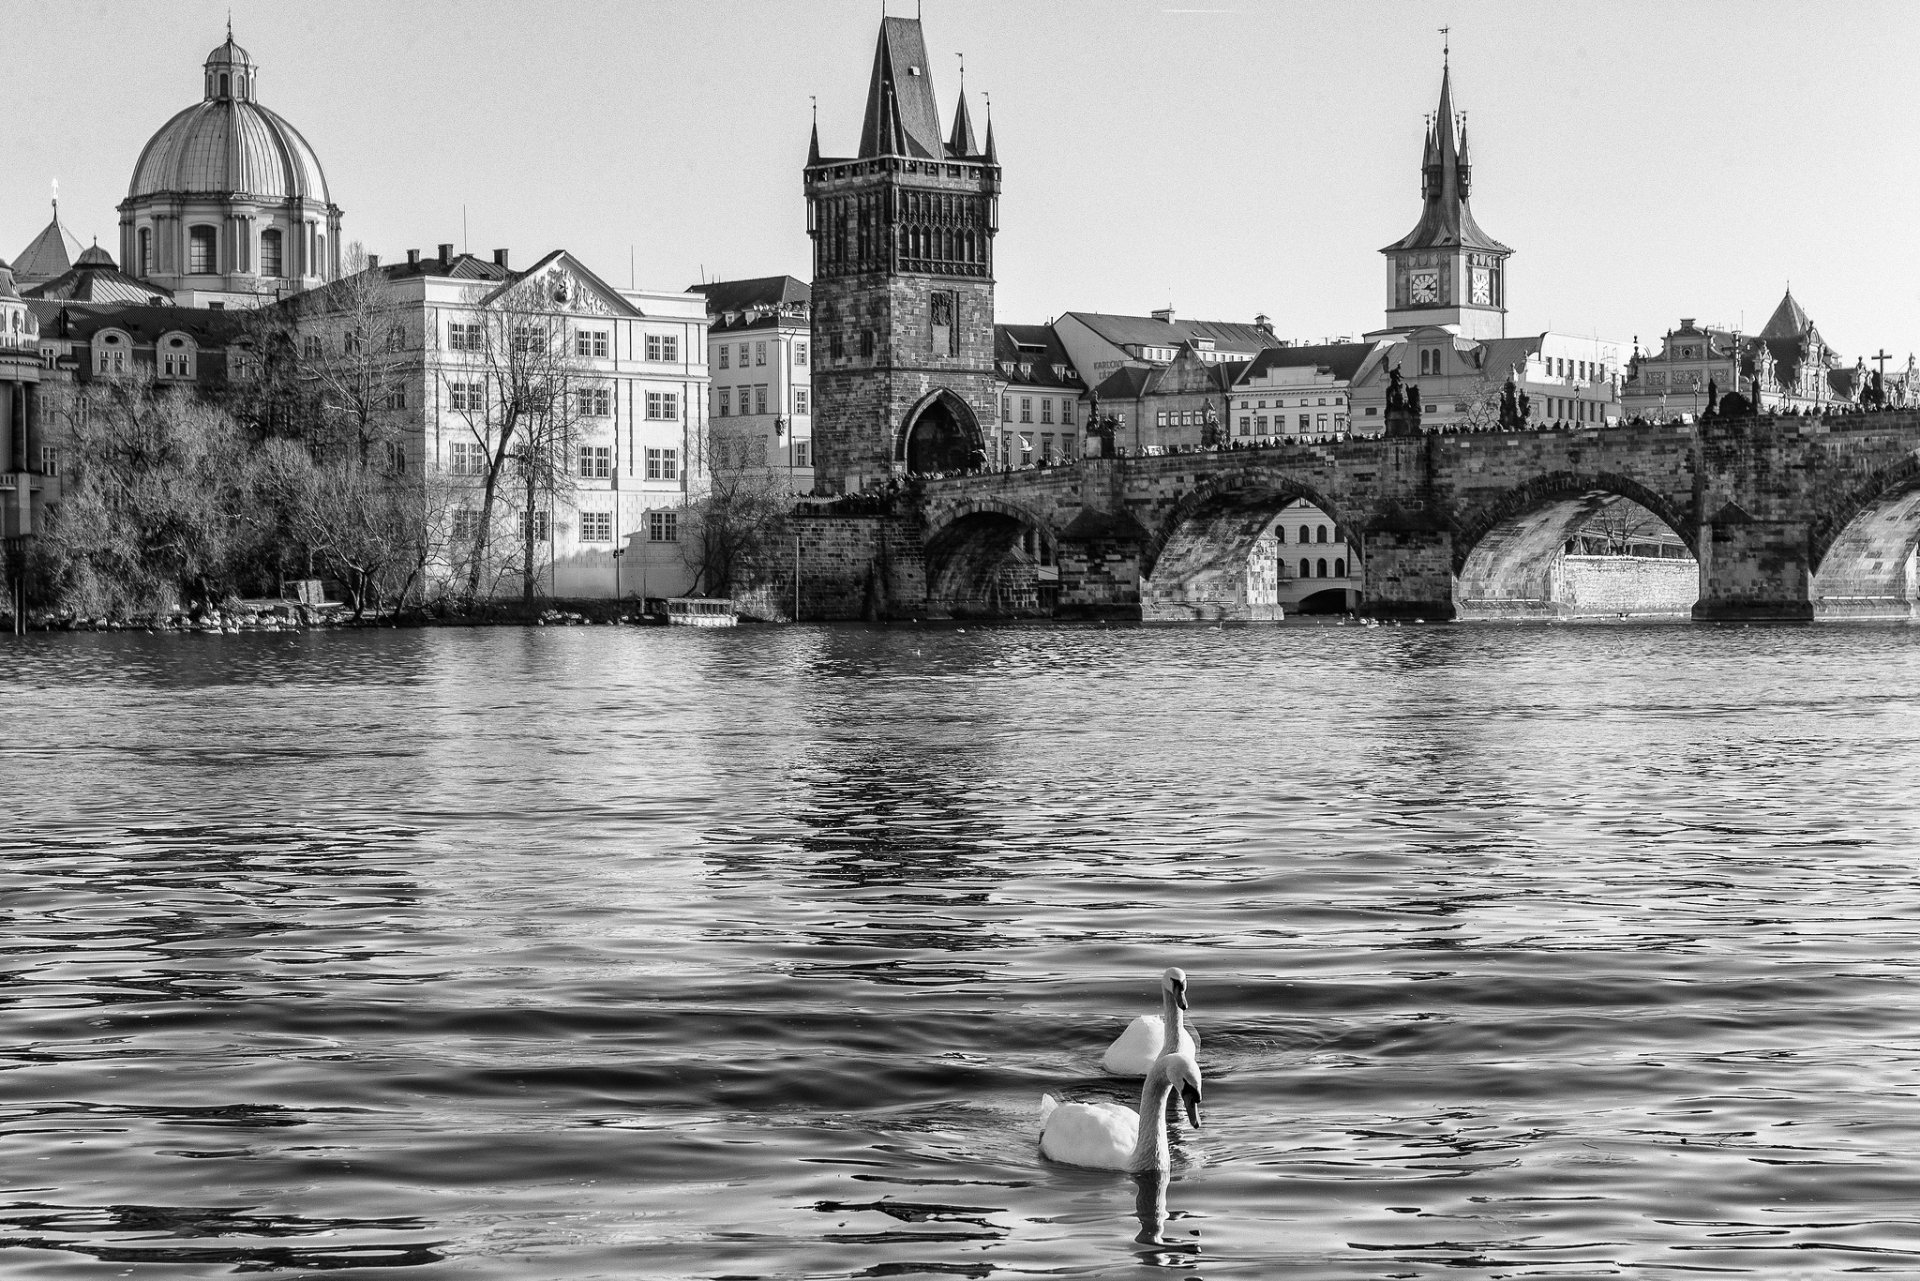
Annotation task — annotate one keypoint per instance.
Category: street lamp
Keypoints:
(779, 433)
(618, 552)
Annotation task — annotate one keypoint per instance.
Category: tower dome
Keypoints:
(228, 201)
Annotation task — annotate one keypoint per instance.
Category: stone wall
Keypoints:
(1625, 586)
(853, 567)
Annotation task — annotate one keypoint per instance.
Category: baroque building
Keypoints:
(903, 333)
(228, 206)
(759, 352)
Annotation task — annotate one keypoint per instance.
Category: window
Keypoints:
(463, 337)
(836, 348)
(667, 347)
(663, 464)
(596, 462)
(760, 398)
(1066, 412)
(1260, 424)
(1279, 533)
(663, 406)
(465, 458)
(539, 524)
(146, 251)
(596, 527)
(722, 351)
(1006, 447)
(176, 358)
(800, 353)
(350, 343)
(1306, 568)
(1306, 535)
(722, 397)
(800, 400)
(663, 527)
(201, 251)
(49, 461)
(1320, 422)
(591, 343)
(1046, 409)
(1246, 424)
(310, 347)
(760, 353)
(1006, 408)
(1320, 534)
(110, 354)
(528, 340)
(1320, 567)
(866, 344)
(1339, 568)
(743, 355)
(800, 450)
(1026, 449)
(271, 256)
(1160, 419)
(1306, 421)
(1066, 447)
(395, 455)
(467, 398)
(466, 523)
(596, 402)
(396, 399)
(1046, 446)
(1026, 409)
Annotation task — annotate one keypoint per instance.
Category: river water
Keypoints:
(600, 952)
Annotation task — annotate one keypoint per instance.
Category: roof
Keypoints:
(744, 295)
(458, 267)
(1038, 350)
(144, 324)
(1129, 382)
(1445, 179)
(95, 278)
(1787, 321)
(901, 118)
(228, 144)
(1133, 331)
(47, 256)
(1342, 360)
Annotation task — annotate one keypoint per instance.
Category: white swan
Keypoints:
(1151, 1035)
(1111, 1136)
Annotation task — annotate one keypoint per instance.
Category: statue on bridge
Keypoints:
(1713, 395)
(1210, 427)
(1396, 392)
(1413, 403)
(1511, 415)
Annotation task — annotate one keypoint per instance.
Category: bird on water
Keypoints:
(1112, 1136)
(1150, 1036)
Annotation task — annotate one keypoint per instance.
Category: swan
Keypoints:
(1112, 1136)
(1150, 1036)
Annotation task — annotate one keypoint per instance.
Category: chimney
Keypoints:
(500, 258)
(446, 253)
(1263, 321)
(373, 260)
(1164, 315)
(413, 257)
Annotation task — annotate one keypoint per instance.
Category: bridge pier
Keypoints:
(1409, 574)
(1753, 571)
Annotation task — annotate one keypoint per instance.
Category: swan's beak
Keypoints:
(1180, 996)
(1191, 1097)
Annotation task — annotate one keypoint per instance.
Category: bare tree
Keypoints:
(734, 528)
(513, 379)
(1483, 402)
(1616, 528)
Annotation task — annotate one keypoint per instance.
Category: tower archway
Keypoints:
(941, 434)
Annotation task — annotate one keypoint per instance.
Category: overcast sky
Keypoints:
(1645, 161)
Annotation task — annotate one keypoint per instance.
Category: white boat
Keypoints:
(701, 611)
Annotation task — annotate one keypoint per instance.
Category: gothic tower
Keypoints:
(902, 281)
(1447, 271)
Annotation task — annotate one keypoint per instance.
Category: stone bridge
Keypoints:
(1788, 518)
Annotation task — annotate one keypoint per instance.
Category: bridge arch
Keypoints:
(992, 558)
(1860, 552)
(1507, 559)
(940, 433)
(1195, 562)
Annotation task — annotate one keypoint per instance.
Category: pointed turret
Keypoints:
(48, 255)
(901, 118)
(1465, 165)
(813, 147)
(992, 153)
(962, 143)
(1446, 219)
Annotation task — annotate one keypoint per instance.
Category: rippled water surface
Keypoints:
(618, 953)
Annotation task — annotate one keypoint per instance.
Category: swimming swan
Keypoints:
(1111, 1136)
(1147, 1037)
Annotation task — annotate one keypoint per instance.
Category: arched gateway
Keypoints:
(941, 434)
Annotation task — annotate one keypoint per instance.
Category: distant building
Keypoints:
(1566, 379)
(1795, 368)
(903, 338)
(1317, 571)
(96, 278)
(228, 206)
(760, 358)
(1040, 390)
(29, 469)
(50, 253)
(1099, 343)
(1298, 392)
(189, 347)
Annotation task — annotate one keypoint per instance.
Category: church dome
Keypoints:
(94, 256)
(229, 145)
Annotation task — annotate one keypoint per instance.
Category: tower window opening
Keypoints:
(201, 251)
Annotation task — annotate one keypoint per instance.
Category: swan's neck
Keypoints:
(1169, 1021)
(1150, 1146)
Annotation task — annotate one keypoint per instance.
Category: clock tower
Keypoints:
(1447, 271)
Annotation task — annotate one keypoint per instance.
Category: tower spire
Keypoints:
(813, 148)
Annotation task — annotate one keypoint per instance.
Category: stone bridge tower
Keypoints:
(902, 281)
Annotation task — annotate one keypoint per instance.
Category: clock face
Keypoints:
(1424, 286)
(1482, 287)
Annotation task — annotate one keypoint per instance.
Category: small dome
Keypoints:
(228, 144)
(94, 256)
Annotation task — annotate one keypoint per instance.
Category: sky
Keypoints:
(1647, 162)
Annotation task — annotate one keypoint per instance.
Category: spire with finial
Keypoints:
(991, 153)
(962, 142)
(813, 148)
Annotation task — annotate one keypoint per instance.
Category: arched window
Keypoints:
(1279, 533)
(1423, 361)
(176, 356)
(145, 258)
(1339, 568)
(1306, 568)
(223, 84)
(202, 255)
(1320, 568)
(1322, 535)
(1306, 535)
(110, 351)
(320, 256)
(272, 256)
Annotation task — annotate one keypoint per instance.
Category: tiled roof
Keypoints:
(77, 320)
(47, 256)
(761, 291)
(1342, 360)
(1134, 331)
(1030, 355)
(901, 118)
(1787, 321)
(1129, 382)
(459, 267)
(95, 278)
